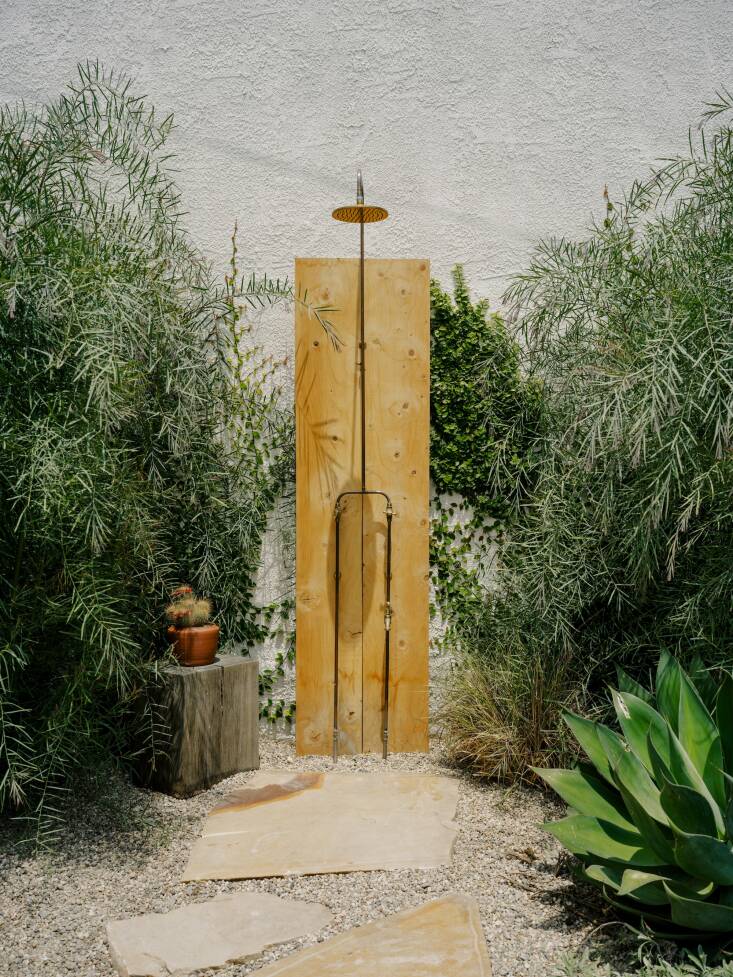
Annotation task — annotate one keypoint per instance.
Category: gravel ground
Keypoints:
(124, 852)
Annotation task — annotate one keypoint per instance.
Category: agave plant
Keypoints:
(651, 817)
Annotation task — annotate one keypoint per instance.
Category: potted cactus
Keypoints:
(651, 814)
(193, 636)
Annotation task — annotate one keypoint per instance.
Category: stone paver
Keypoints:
(442, 938)
(286, 823)
(209, 934)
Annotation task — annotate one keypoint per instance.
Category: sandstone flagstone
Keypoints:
(209, 934)
(442, 938)
(284, 823)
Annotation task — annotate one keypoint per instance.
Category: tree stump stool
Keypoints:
(212, 713)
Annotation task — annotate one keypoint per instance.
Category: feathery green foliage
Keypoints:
(625, 544)
(139, 443)
(650, 816)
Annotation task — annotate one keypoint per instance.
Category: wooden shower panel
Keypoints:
(328, 452)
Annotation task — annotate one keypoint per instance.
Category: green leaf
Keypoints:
(661, 924)
(725, 896)
(703, 682)
(645, 886)
(639, 721)
(633, 780)
(699, 737)
(586, 733)
(627, 684)
(667, 688)
(612, 745)
(681, 770)
(699, 914)
(688, 717)
(687, 810)
(728, 812)
(724, 718)
(704, 857)
(587, 794)
(649, 887)
(654, 835)
(584, 835)
(609, 875)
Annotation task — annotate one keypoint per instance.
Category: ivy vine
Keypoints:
(278, 617)
(484, 417)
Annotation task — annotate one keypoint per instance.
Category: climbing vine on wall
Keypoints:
(278, 618)
(484, 415)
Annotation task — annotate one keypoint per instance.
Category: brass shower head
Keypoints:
(360, 213)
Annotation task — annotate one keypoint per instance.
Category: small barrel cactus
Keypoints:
(186, 610)
(651, 816)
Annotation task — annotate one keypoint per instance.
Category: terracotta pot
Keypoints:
(195, 646)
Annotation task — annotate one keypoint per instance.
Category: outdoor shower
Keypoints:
(362, 214)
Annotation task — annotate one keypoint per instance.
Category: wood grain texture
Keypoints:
(327, 462)
(397, 450)
(213, 716)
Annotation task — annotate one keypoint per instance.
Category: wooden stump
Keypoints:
(213, 716)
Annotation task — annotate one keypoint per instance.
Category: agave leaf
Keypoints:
(654, 835)
(632, 779)
(584, 835)
(647, 887)
(700, 738)
(640, 721)
(586, 733)
(699, 914)
(660, 760)
(609, 875)
(724, 718)
(728, 813)
(703, 857)
(725, 896)
(587, 794)
(681, 770)
(627, 684)
(661, 924)
(667, 688)
(687, 810)
(644, 886)
(703, 682)
(612, 745)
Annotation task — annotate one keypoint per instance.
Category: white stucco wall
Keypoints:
(481, 126)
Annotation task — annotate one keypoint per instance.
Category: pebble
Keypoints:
(123, 854)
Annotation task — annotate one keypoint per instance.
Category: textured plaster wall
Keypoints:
(481, 126)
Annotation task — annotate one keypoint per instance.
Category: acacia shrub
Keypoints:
(138, 448)
(623, 547)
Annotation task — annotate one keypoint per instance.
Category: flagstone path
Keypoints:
(317, 823)
(442, 938)
(230, 929)
(124, 850)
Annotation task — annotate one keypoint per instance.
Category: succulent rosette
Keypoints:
(651, 815)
